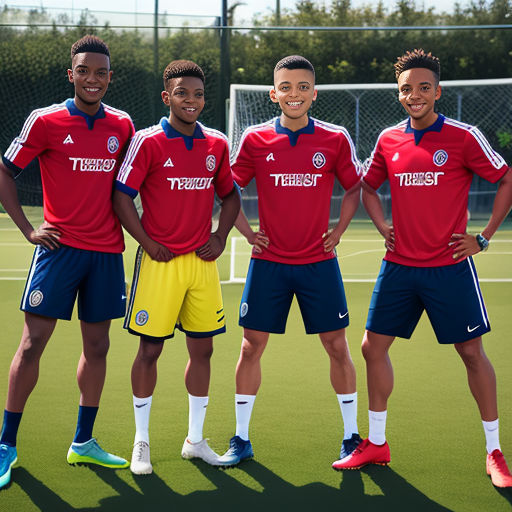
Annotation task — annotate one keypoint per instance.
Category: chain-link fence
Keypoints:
(366, 109)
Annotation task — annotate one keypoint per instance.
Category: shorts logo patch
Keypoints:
(440, 157)
(35, 298)
(243, 309)
(142, 317)
(319, 160)
(113, 144)
(211, 162)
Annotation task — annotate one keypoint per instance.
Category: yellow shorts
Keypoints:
(183, 292)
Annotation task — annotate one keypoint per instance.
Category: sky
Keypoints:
(244, 14)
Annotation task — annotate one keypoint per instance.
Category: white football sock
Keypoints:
(492, 435)
(348, 406)
(142, 409)
(243, 411)
(196, 414)
(377, 420)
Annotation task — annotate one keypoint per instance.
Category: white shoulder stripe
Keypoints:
(133, 149)
(18, 142)
(212, 132)
(368, 162)
(247, 131)
(494, 158)
(117, 112)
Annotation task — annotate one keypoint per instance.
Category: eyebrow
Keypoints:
(286, 82)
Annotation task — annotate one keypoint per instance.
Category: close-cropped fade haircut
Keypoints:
(418, 59)
(178, 68)
(294, 62)
(90, 43)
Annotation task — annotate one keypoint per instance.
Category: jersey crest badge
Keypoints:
(112, 144)
(142, 317)
(68, 140)
(396, 156)
(169, 163)
(35, 298)
(440, 157)
(319, 160)
(244, 308)
(211, 162)
(270, 156)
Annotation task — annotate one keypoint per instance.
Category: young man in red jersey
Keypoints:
(429, 161)
(79, 144)
(177, 166)
(295, 160)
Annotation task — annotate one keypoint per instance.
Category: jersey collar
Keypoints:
(75, 111)
(294, 136)
(172, 133)
(418, 134)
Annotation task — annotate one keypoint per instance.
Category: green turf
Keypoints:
(436, 438)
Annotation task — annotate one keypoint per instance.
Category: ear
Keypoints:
(166, 98)
(70, 75)
(315, 93)
(438, 92)
(273, 96)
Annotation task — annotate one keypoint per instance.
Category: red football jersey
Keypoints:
(429, 182)
(177, 177)
(294, 173)
(78, 156)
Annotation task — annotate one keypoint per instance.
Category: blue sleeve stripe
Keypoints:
(12, 167)
(126, 189)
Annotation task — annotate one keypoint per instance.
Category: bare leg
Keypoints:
(92, 365)
(343, 373)
(379, 371)
(24, 370)
(481, 377)
(144, 369)
(248, 368)
(197, 372)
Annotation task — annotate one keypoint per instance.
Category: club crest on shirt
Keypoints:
(35, 298)
(142, 317)
(319, 160)
(440, 157)
(112, 144)
(244, 307)
(211, 162)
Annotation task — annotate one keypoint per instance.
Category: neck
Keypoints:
(180, 126)
(294, 124)
(87, 108)
(421, 124)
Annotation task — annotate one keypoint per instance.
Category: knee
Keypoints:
(96, 348)
(368, 348)
(201, 352)
(472, 354)
(337, 348)
(31, 348)
(251, 350)
(149, 352)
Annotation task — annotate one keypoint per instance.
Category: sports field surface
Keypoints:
(434, 431)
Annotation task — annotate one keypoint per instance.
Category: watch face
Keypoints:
(482, 242)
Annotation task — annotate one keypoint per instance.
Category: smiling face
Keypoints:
(185, 97)
(90, 75)
(294, 90)
(418, 91)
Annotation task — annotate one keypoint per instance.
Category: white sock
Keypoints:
(196, 413)
(141, 409)
(492, 435)
(243, 411)
(348, 406)
(377, 426)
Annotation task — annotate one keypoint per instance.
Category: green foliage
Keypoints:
(504, 139)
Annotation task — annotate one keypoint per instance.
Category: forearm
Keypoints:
(229, 213)
(501, 206)
(129, 217)
(10, 201)
(349, 206)
(373, 207)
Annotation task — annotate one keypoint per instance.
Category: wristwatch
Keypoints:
(482, 242)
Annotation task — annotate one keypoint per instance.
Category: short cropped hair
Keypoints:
(90, 43)
(294, 62)
(418, 59)
(178, 68)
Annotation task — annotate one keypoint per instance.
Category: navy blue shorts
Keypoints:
(449, 294)
(269, 292)
(56, 278)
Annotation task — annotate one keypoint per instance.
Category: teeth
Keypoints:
(294, 103)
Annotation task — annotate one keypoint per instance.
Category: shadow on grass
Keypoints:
(154, 494)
